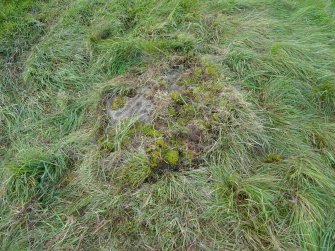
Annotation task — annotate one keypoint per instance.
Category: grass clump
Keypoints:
(325, 94)
(32, 174)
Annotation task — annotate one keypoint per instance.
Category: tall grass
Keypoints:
(268, 179)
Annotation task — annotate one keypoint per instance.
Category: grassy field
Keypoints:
(235, 149)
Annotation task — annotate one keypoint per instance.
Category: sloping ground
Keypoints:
(167, 125)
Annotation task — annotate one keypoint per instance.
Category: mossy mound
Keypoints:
(183, 106)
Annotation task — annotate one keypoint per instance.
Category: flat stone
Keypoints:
(135, 107)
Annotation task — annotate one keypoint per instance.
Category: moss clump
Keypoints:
(154, 156)
(177, 97)
(199, 74)
(118, 103)
(188, 120)
(161, 152)
(171, 157)
(149, 130)
(274, 157)
(154, 152)
(171, 111)
(161, 143)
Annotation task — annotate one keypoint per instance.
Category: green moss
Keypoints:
(171, 157)
(171, 111)
(177, 97)
(149, 130)
(118, 103)
(211, 71)
(274, 157)
(154, 152)
(216, 117)
(154, 158)
(161, 143)
(160, 152)
(200, 74)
